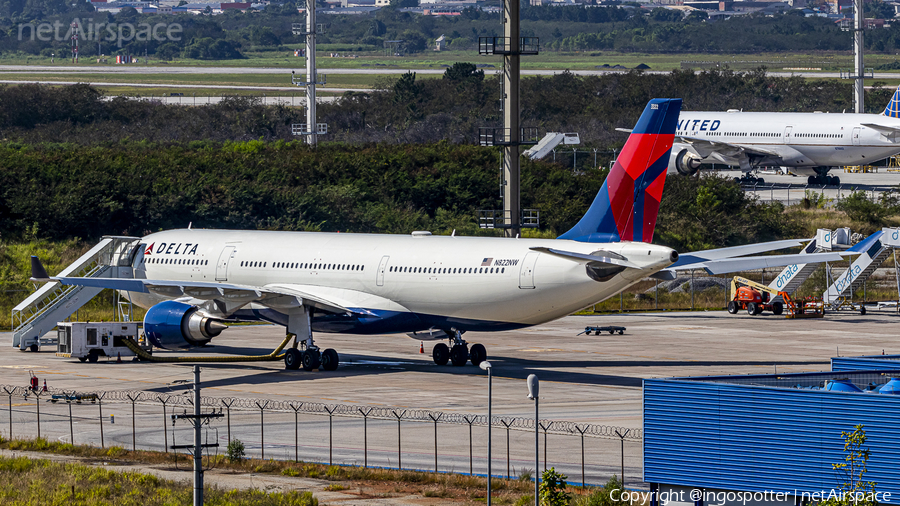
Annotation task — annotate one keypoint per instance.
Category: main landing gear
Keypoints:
(749, 179)
(823, 180)
(459, 352)
(309, 357)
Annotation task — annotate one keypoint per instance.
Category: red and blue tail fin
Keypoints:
(628, 203)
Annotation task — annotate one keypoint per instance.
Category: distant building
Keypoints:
(440, 43)
(236, 6)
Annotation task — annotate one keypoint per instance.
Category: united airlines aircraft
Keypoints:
(194, 281)
(810, 144)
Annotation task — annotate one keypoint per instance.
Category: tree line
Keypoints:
(63, 191)
(412, 110)
(624, 28)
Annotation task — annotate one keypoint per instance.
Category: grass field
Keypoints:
(546, 60)
(42, 482)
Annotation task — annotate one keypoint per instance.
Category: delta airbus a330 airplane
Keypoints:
(809, 143)
(192, 281)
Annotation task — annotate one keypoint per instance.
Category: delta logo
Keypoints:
(172, 248)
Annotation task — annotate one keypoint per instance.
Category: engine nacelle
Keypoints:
(684, 162)
(173, 324)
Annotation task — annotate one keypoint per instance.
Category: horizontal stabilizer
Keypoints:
(581, 257)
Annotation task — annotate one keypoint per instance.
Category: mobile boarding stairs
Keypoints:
(54, 302)
(870, 254)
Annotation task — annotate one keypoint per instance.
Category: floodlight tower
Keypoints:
(311, 130)
(512, 47)
(859, 73)
(74, 42)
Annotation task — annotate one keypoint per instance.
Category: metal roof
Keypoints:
(766, 432)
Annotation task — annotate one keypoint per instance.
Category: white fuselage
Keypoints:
(793, 139)
(413, 282)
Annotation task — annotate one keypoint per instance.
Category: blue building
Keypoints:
(776, 436)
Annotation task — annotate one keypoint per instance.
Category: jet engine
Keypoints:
(173, 324)
(684, 162)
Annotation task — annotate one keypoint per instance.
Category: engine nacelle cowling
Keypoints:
(684, 162)
(173, 324)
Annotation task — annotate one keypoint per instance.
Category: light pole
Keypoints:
(485, 365)
(533, 390)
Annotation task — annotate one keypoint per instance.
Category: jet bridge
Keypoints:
(549, 142)
(53, 302)
(792, 276)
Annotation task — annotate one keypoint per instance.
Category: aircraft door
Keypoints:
(222, 264)
(381, 268)
(855, 136)
(526, 274)
(787, 134)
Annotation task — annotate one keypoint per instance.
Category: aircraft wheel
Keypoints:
(777, 308)
(440, 354)
(311, 360)
(751, 309)
(293, 358)
(811, 180)
(732, 307)
(34, 348)
(760, 180)
(835, 181)
(459, 355)
(330, 360)
(93, 356)
(477, 354)
(862, 310)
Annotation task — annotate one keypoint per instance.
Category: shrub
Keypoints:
(553, 488)
(604, 496)
(235, 450)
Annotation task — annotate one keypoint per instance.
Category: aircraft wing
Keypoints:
(726, 265)
(686, 260)
(203, 290)
(736, 259)
(233, 295)
(884, 129)
(706, 147)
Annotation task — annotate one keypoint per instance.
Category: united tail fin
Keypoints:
(627, 205)
(893, 108)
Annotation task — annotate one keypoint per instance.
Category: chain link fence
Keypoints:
(338, 434)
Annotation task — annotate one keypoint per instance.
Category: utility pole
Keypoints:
(197, 448)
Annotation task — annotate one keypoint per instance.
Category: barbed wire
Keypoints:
(317, 408)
